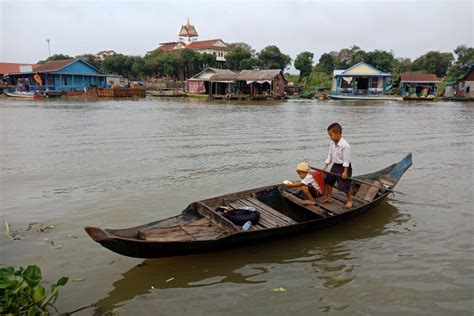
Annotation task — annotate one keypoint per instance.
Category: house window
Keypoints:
(468, 88)
(65, 80)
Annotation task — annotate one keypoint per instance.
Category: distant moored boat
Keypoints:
(23, 94)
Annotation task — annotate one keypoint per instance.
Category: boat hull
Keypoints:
(25, 95)
(144, 249)
(127, 242)
(366, 97)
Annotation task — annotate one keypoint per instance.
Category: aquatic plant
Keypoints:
(22, 294)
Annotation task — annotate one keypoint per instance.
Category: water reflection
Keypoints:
(327, 252)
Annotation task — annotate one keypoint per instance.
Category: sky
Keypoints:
(407, 28)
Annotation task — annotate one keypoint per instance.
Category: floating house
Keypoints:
(58, 75)
(7, 68)
(465, 85)
(227, 84)
(201, 82)
(418, 85)
(361, 82)
(253, 84)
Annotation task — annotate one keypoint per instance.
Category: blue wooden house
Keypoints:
(361, 82)
(58, 75)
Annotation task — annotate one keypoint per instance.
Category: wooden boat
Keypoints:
(202, 227)
(22, 94)
(167, 93)
(415, 98)
(366, 97)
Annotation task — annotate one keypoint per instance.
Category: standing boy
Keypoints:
(340, 155)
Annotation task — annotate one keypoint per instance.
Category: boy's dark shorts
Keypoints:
(344, 185)
(314, 193)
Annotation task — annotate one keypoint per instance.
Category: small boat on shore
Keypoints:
(23, 94)
(366, 97)
(416, 98)
(202, 226)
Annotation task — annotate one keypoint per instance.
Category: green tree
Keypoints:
(207, 60)
(236, 55)
(405, 64)
(357, 54)
(465, 58)
(381, 59)
(55, 57)
(344, 58)
(272, 58)
(304, 63)
(434, 62)
(189, 62)
(138, 68)
(250, 63)
(121, 65)
(327, 64)
(91, 59)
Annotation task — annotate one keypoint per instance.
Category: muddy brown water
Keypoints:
(69, 164)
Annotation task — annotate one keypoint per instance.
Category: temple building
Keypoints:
(188, 38)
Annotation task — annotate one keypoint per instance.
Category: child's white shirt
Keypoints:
(309, 180)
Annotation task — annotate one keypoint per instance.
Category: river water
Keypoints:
(68, 164)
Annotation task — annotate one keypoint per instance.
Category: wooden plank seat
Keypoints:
(368, 192)
(320, 210)
(269, 217)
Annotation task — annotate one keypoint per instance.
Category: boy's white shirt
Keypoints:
(339, 153)
(309, 180)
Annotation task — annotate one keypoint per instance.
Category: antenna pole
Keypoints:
(49, 50)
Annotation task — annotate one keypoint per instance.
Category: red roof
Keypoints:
(52, 65)
(193, 45)
(166, 46)
(206, 44)
(418, 77)
(8, 68)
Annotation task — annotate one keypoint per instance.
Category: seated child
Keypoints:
(308, 184)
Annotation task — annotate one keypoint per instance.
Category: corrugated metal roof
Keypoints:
(267, 74)
(224, 77)
(248, 75)
(8, 68)
(207, 73)
(53, 65)
(418, 77)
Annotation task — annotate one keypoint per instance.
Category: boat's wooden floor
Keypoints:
(269, 217)
(201, 229)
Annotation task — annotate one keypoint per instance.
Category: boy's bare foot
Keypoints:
(309, 203)
(348, 205)
(327, 200)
